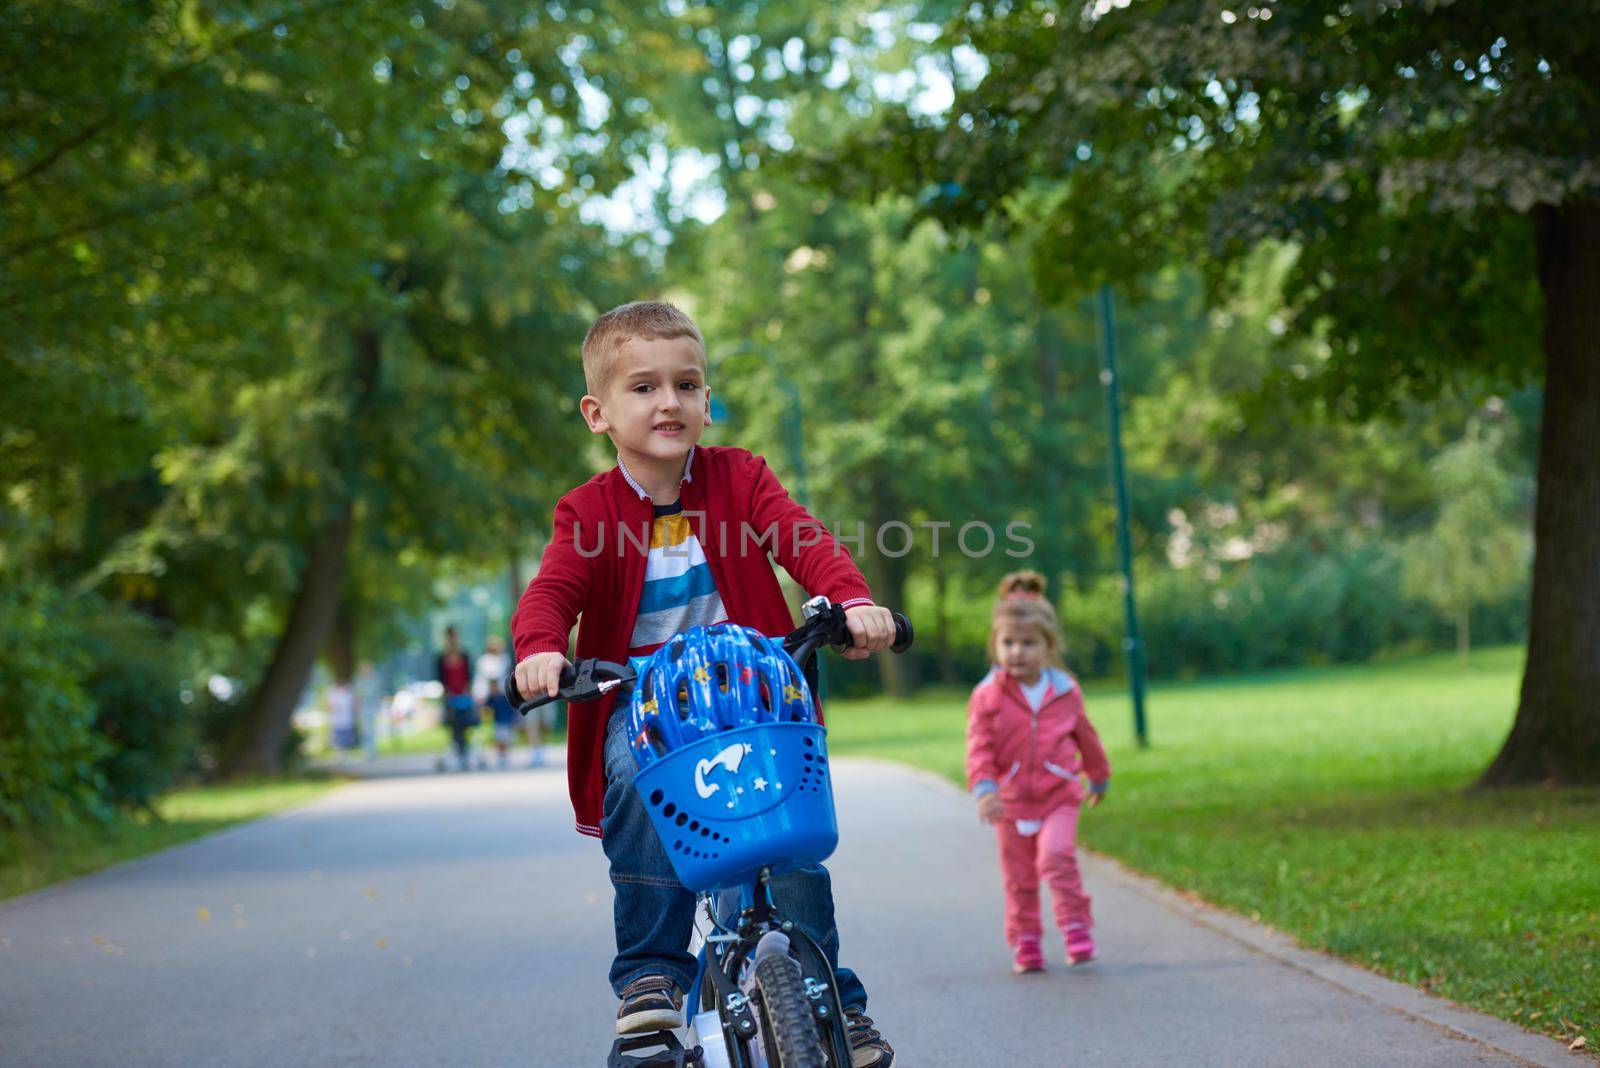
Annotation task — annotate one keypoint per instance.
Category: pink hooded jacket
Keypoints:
(1033, 759)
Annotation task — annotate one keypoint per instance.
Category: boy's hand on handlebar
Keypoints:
(541, 674)
(990, 810)
(871, 629)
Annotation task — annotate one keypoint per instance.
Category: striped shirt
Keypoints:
(679, 591)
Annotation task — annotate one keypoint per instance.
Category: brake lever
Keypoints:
(578, 684)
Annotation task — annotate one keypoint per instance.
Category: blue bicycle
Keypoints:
(733, 769)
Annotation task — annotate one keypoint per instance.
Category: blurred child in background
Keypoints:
(1029, 742)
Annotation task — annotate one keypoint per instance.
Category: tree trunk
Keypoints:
(257, 741)
(889, 574)
(1556, 736)
(342, 643)
(941, 612)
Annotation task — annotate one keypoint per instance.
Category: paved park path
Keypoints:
(423, 919)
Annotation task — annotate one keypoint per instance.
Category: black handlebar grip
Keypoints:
(903, 634)
(524, 705)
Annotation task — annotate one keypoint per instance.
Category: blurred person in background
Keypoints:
(460, 711)
(369, 693)
(342, 717)
(489, 673)
(488, 680)
(505, 722)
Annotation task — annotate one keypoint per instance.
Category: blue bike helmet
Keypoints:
(712, 679)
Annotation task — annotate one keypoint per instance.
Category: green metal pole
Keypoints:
(1132, 643)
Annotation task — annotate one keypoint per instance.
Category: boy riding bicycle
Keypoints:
(675, 536)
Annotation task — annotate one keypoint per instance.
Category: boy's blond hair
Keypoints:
(652, 319)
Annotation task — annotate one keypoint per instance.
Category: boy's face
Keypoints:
(657, 404)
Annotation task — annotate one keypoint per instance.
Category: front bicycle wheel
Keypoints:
(788, 1027)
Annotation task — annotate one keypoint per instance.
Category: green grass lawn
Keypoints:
(1334, 804)
(435, 739)
(30, 863)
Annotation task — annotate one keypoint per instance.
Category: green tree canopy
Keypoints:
(280, 291)
(1433, 166)
(1475, 548)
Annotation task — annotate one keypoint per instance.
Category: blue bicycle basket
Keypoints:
(733, 765)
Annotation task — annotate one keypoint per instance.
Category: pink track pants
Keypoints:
(1052, 855)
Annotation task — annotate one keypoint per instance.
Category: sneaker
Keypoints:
(868, 1049)
(1028, 957)
(649, 1003)
(1080, 947)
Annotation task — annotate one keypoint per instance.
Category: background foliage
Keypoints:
(290, 285)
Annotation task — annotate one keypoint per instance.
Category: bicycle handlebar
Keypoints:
(590, 677)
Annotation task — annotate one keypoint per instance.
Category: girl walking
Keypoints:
(1028, 743)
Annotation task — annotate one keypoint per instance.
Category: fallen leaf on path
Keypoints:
(1578, 1043)
(202, 915)
(383, 943)
(311, 951)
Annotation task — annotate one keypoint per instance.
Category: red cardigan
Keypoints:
(594, 566)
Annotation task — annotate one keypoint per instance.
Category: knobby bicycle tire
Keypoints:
(787, 1022)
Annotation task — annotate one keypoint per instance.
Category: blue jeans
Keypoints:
(654, 914)
(459, 711)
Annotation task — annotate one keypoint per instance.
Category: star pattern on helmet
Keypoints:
(791, 692)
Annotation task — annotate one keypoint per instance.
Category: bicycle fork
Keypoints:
(728, 958)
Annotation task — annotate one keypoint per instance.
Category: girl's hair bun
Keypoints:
(1022, 602)
(1022, 582)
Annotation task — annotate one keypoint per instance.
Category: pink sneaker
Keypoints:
(1080, 947)
(1027, 957)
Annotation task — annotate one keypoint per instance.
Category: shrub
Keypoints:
(50, 755)
(1307, 603)
(135, 679)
